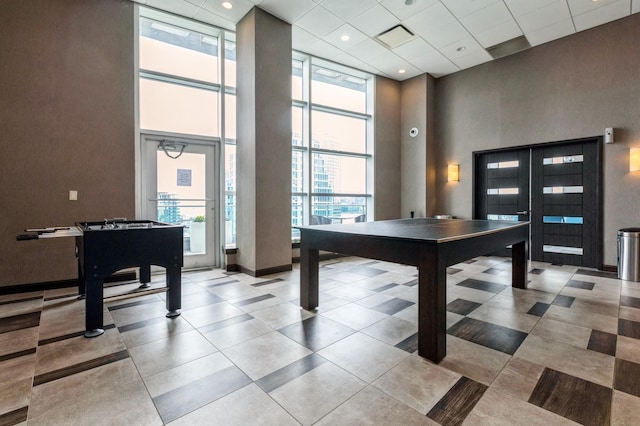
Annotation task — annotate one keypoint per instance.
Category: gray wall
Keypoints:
(67, 120)
(570, 88)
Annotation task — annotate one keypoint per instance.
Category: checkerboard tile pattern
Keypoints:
(564, 351)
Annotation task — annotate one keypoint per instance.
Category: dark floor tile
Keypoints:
(316, 332)
(367, 271)
(385, 287)
(281, 377)
(254, 300)
(627, 377)
(632, 302)
(470, 261)
(603, 342)
(78, 368)
(410, 344)
(538, 309)
(19, 322)
(214, 284)
(601, 274)
(180, 401)
(576, 399)
(25, 299)
(225, 323)
(493, 271)
(628, 328)
(14, 417)
(458, 402)
(482, 285)
(17, 355)
(277, 280)
(411, 283)
(462, 307)
(393, 306)
(536, 271)
(141, 324)
(493, 336)
(132, 304)
(563, 301)
(197, 300)
(584, 285)
(453, 271)
(70, 335)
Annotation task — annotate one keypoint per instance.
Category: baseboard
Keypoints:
(266, 271)
(610, 268)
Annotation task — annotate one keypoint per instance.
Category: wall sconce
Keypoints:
(453, 173)
(634, 159)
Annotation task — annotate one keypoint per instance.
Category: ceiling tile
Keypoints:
(240, 8)
(319, 21)
(322, 49)
(498, 34)
(462, 8)
(346, 59)
(348, 9)
(301, 38)
(207, 17)
(437, 26)
(367, 50)
(635, 6)
(582, 6)
(402, 11)
(486, 18)
(354, 35)
(471, 60)
(522, 7)
(469, 46)
(374, 21)
(288, 10)
(552, 32)
(182, 8)
(544, 16)
(602, 15)
(413, 49)
(435, 64)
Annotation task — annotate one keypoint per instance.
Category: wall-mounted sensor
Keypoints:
(608, 135)
(413, 132)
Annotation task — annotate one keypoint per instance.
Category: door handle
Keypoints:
(523, 212)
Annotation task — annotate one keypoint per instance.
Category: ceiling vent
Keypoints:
(508, 47)
(395, 36)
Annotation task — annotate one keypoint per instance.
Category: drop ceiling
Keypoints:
(448, 35)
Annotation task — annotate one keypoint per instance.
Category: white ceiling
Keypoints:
(441, 27)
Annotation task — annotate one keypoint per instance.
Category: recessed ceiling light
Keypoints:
(227, 5)
(461, 48)
(408, 2)
(402, 71)
(345, 37)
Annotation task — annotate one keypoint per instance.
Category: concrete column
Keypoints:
(263, 144)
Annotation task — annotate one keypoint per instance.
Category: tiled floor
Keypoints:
(565, 351)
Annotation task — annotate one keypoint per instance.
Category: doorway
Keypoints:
(180, 177)
(555, 186)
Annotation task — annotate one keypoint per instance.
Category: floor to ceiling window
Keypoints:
(331, 143)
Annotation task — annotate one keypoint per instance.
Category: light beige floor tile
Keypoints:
(505, 317)
(209, 314)
(595, 306)
(374, 300)
(129, 405)
(418, 383)
(160, 355)
(316, 393)
(20, 296)
(20, 307)
(235, 290)
(139, 313)
(186, 373)
(84, 386)
(632, 314)
(498, 408)
(355, 316)
(520, 300)
(373, 407)
(162, 329)
(588, 365)
(562, 332)
(628, 348)
(15, 394)
(583, 319)
(277, 316)
(65, 353)
(474, 361)
(265, 354)
(471, 294)
(246, 406)
(518, 378)
(363, 356)
(625, 409)
(391, 330)
(237, 333)
(18, 340)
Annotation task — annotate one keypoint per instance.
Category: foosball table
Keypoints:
(108, 246)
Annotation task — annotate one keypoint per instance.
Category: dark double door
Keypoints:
(555, 186)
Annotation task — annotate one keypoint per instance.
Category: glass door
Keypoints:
(179, 187)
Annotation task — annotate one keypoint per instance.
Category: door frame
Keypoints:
(215, 235)
(597, 238)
